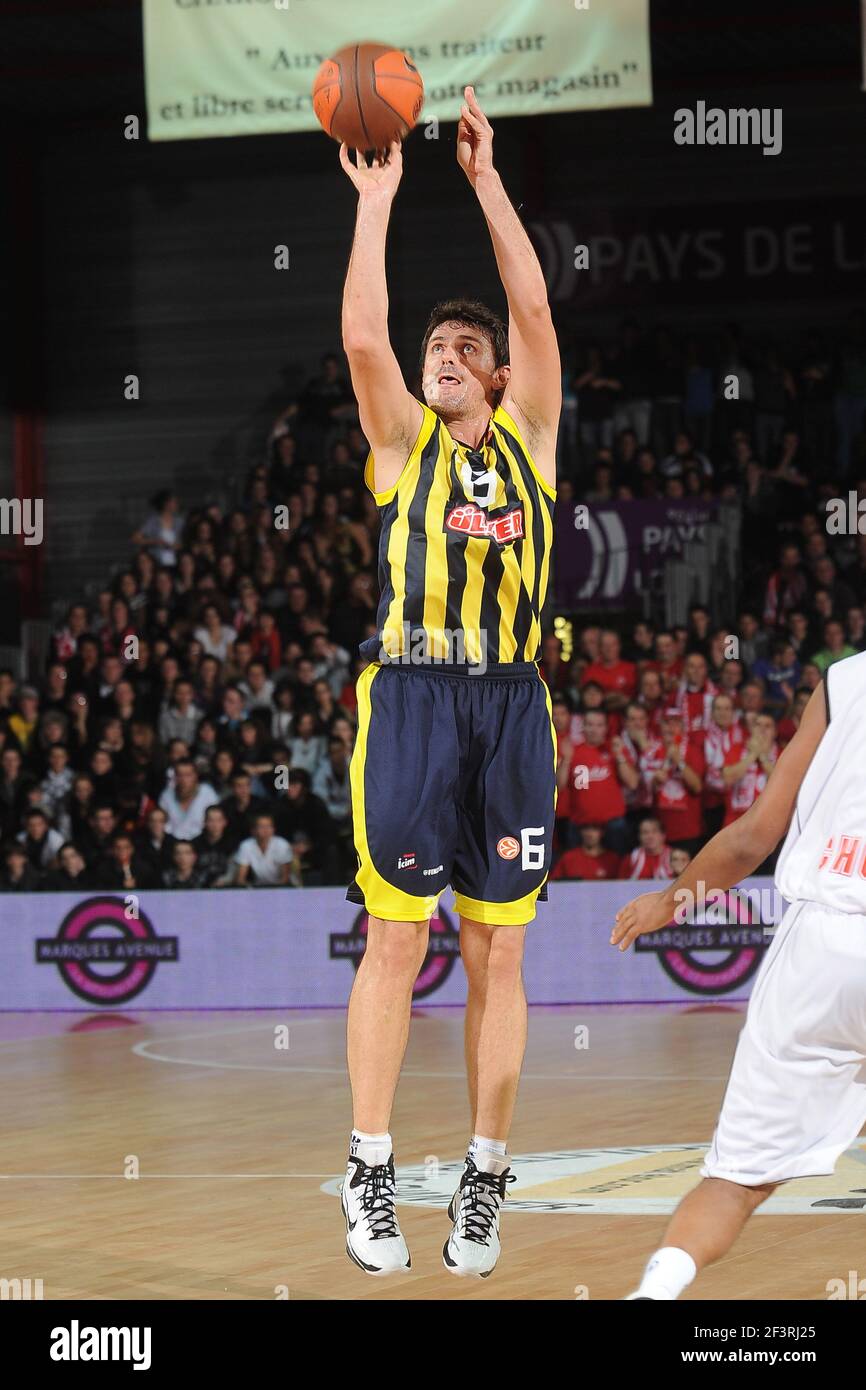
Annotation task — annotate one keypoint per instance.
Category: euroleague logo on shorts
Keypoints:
(106, 950)
(508, 847)
(442, 952)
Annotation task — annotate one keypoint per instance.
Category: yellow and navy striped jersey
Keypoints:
(464, 552)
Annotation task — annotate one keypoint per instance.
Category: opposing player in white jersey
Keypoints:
(796, 1097)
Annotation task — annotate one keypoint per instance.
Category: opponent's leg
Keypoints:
(702, 1229)
(495, 1041)
(378, 1028)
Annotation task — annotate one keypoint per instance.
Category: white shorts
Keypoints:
(796, 1096)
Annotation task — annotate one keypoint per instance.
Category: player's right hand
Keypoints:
(382, 177)
(650, 912)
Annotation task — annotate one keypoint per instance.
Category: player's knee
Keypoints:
(396, 948)
(750, 1196)
(759, 1194)
(506, 955)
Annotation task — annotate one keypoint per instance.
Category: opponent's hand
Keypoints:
(474, 139)
(381, 178)
(650, 912)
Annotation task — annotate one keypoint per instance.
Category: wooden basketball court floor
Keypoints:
(167, 1155)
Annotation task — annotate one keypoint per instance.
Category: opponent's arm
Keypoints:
(534, 390)
(738, 849)
(390, 416)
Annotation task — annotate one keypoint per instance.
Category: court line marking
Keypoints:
(141, 1050)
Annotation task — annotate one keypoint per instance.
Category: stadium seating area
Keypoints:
(195, 723)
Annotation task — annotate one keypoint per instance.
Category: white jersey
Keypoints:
(823, 859)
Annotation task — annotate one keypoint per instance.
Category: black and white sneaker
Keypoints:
(473, 1247)
(373, 1238)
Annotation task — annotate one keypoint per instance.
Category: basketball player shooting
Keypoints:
(795, 1098)
(453, 774)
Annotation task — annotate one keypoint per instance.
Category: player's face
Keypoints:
(460, 372)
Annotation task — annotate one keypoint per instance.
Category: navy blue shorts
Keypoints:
(453, 781)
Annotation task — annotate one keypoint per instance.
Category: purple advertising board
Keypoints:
(291, 948)
(607, 552)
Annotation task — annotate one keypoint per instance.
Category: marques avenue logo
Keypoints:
(439, 961)
(720, 949)
(106, 950)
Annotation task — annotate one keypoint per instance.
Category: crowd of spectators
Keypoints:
(195, 722)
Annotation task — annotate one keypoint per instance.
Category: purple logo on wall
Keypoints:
(104, 953)
(608, 554)
(438, 963)
(711, 956)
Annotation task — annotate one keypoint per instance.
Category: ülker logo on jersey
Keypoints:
(470, 520)
(106, 954)
(439, 961)
(717, 953)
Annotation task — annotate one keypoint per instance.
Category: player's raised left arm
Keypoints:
(534, 390)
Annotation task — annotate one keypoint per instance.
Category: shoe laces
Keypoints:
(378, 1193)
(481, 1196)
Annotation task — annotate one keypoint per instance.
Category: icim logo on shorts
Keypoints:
(409, 860)
(737, 126)
(76, 1343)
(22, 517)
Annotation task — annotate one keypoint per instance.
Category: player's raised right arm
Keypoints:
(389, 414)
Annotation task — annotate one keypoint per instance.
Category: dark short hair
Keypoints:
(472, 314)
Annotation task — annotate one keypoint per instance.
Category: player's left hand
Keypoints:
(474, 139)
(650, 912)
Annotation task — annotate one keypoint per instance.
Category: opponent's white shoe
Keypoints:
(373, 1238)
(473, 1247)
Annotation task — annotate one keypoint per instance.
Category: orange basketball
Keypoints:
(368, 95)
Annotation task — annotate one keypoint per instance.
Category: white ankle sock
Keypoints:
(668, 1272)
(372, 1149)
(488, 1154)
